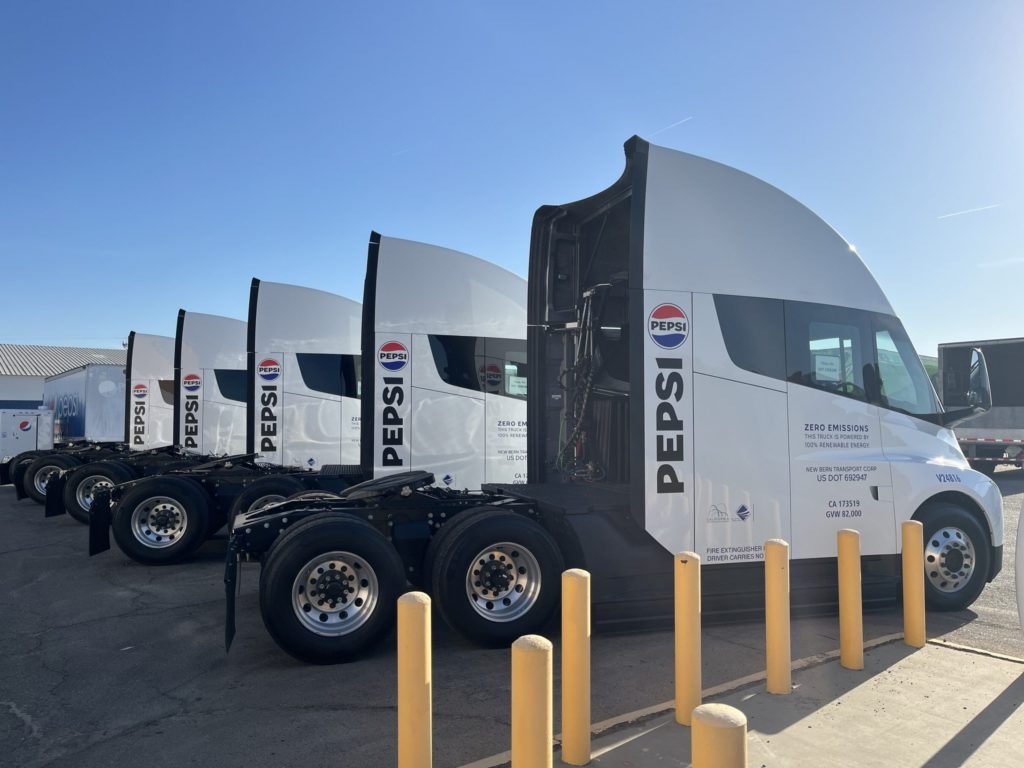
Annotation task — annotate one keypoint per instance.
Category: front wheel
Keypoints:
(85, 481)
(40, 470)
(328, 588)
(162, 520)
(956, 557)
(496, 576)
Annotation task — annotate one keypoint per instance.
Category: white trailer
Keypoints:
(87, 403)
(22, 430)
(705, 373)
(996, 436)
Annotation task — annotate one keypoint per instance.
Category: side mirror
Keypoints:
(979, 392)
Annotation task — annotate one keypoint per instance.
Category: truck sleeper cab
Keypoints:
(444, 398)
(710, 366)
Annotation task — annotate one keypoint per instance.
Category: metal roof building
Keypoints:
(23, 367)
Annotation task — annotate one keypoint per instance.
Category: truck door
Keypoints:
(840, 477)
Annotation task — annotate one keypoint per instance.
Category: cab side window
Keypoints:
(479, 364)
(825, 348)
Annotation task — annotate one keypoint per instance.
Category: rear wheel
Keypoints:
(86, 481)
(162, 520)
(40, 470)
(328, 588)
(496, 576)
(956, 557)
(266, 490)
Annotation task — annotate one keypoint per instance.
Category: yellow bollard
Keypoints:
(851, 607)
(415, 733)
(779, 659)
(532, 716)
(719, 737)
(576, 667)
(687, 635)
(913, 584)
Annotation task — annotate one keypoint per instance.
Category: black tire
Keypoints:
(36, 475)
(183, 519)
(82, 481)
(439, 537)
(22, 458)
(957, 552)
(498, 594)
(360, 550)
(264, 491)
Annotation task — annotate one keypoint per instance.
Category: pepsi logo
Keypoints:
(392, 356)
(490, 375)
(192, 382)
(140, 391)
(25, 426)
(668, 326)
(268, 369)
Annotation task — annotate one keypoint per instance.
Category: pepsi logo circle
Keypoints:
(140, 391)
(25, 426)
(192, 382)
(491, 375)
(392, 356)
(268, 369)
(668, 326)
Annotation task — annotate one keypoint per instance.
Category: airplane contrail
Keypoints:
(667, 127)
(969, 210)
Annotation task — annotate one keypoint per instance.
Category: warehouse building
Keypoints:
(23, 367)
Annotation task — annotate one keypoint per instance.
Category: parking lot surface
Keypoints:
(105, 662)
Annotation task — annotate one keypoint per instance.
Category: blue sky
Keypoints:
(159, 155)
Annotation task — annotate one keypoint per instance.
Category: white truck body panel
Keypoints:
(24, 429)
(87, 403)
(150, 407)
(810, 463)
(301, 417)
(211, 352)
(466, 424)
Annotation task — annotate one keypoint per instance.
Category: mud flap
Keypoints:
(55, 495)
(5, 473)
(17, 478)
(99, 524)
(232, 583)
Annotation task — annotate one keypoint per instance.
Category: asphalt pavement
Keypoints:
(104, 661)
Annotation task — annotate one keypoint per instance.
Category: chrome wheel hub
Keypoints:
(503, 582)
(42, 477)
(949, 559)
(159, 522)
(335, 593)
(86, 491)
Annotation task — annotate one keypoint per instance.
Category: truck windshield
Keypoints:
(905, 385)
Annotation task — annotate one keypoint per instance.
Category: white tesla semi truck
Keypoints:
(703, 374)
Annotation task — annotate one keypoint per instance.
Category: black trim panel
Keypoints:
(250, 368)
(369, 400)
(180, 329)
(128, 390)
